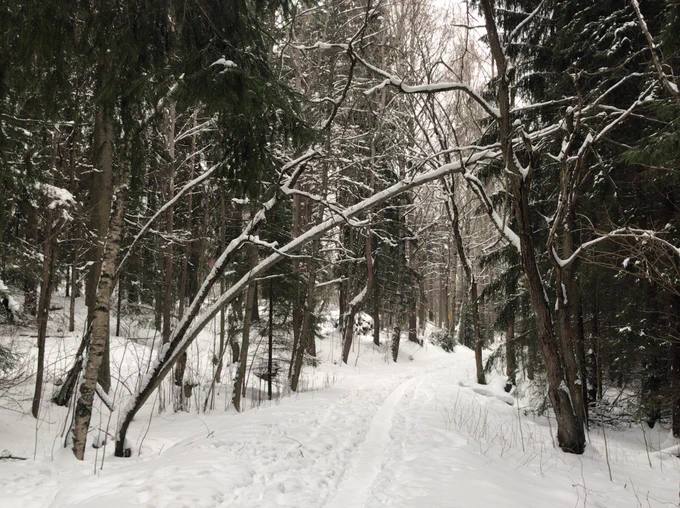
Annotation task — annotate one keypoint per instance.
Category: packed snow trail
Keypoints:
(413, 434)
(356, 483)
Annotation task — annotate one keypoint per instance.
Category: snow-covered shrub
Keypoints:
(444, 340)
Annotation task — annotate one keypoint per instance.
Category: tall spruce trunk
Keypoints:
(306, 333)
(479, 365)
(298, 313)
(74, 290)
(73, 282)
(30, 280)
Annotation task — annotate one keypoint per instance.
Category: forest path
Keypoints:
(366, 435)
(357, 481)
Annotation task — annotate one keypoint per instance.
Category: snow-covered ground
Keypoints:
(418, 433)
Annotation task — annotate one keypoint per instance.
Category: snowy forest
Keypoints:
(340, 253)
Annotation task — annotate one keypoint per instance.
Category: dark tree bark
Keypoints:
(376, 307)
(396, 336)
(50, 248)
(239, 381)
(452, 210)
(168, 191)
(570, 431)
(100, 323)
(270, 349)
(674, 363)
(511, 356)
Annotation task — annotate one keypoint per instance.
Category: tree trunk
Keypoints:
(532, 357)
(100, 323)
(49, 258)
(74, 290)
(239, 381)
(101, 191)
(30, 282)
(348, 330)
(190, 207)
(510, 355)
(452, 210)
(298, 299)
(168, 191)
(306, 334)
(376, 307)
(674, 362)
(674, 355)
(479, 365)
(396, 336)
(570, 433)
(270, 349)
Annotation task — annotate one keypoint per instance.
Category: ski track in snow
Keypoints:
(355, 486)
(416, 434)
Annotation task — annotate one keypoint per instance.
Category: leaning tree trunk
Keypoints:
(192, 324)
(570, 433)
(99, 334)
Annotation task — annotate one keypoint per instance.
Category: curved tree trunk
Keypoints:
(192, 324)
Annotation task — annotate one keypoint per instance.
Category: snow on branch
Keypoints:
(623, 115)
(643, 234)
(190, 185)
(430, 88)
(478, 188)
(524, 22)
(670, 86)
